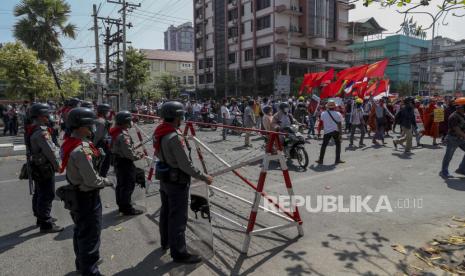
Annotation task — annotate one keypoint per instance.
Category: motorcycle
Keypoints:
(236, 122)
(294, 145)
(209, 118)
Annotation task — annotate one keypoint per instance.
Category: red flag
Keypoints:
(382, 87)
(355, 74)
(371, 89)
(376, 70)
(331, 90)
(308, 78)
(312, 80)
(359, 88)
(325, 78)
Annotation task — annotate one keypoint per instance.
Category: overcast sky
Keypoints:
(155, 16)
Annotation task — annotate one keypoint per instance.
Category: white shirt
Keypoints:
(328, 123)
(225, 112)
(196, 107)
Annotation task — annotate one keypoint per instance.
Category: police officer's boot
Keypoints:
(188, 259)
(50, 228)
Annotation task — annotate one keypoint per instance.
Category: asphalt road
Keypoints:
(334, 243)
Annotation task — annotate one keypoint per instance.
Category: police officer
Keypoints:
(101, 136)
(78, 153)
(174, 184)
(44, 164)
(87, 104)
(124, 155)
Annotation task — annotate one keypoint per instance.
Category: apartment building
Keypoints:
(180, 38)
(451, 64)
(242, 46)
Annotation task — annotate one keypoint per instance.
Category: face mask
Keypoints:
(286, 110)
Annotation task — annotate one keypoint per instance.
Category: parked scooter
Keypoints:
(294, 145)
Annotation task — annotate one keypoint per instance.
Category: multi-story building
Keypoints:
(243, 46)
(451, 63)
(180, 38)
(177, 64)
(408, 58)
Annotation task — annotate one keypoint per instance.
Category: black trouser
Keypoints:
(105, 166)
(88, 225)
(44, 193)
(125, 183)
(6, 124)
(173, 217)
(337, 140)
(353, 128)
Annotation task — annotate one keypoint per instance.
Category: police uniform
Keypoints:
(124, 156)
(101, 140)
(44, 164)
(174, 192)
(87, 216)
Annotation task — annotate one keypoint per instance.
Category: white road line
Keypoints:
(11, 180)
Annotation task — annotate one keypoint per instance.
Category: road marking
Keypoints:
(11, 180)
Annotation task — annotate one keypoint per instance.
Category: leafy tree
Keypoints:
(40, 26)
(150, 90)
(71, 84)
(137, 70)
(25, 77)
(444, 8)
(296, 85)
(169, 85)
(85, 83)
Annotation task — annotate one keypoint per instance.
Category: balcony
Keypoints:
(295, 30)
(280, 30)
(318, 41)
(198, 4)
(291, 10)
(281, 57)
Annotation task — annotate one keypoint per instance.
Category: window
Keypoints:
(232, 14)
(303, 53)
(263, 52)
(201, 79)
(190, 79)
(198, 13)
(184, 80)
(198, 43)
(261, 4)
(208, 63)
(248, 54)
(201, 63)
(232, 58)
(209, 78)
(242, 28)
(232, 32)
(242, 10)
(263, 22)
(315, 54)
(325, 55)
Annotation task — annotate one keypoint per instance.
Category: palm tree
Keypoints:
(41, 24)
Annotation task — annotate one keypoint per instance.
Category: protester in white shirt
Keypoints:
(226, 116)
(332, 124)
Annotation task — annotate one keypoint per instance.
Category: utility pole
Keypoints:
(124, 11)
(124, 103)
(97, 57)
(107, 55)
